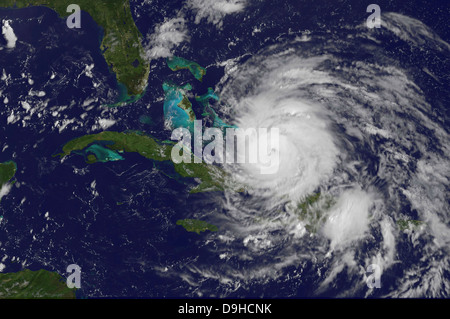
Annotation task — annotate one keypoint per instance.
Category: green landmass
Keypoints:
(7, 172)
(186, 105)
(404, 224)
(91, 159)
(176, 63)
(211, 177)
(121, 45)
(29, 284)
(124, 97)
(196, 226)
(305, 205)
(312, 209)
(176, 97)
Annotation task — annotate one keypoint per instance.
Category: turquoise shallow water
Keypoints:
(209, 111)
(175, 115)
(101, 153)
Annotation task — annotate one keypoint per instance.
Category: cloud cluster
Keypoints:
(9, 35)
(172, 32)
(167, 36)
(215, 10)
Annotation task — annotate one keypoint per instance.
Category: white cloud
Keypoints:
(105, 123)
(167, 36)
(215, 10)
(4, 190)
(172, 32)
(349, 219)
(9, 35)
(413, 31)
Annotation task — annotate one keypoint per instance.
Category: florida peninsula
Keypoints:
(121, 45)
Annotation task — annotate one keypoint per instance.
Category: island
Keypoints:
(41, 284)
(176, 63)
(313, 209)
(209, 112)
(305, 206)
(211, 177)
(121, 45)
(178, 110)
(7, 172)
(196, 226)
(409, 224)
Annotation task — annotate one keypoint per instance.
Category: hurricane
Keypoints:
(352, 114)
(356, 127)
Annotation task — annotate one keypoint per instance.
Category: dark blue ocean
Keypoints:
(118, 237)
(117, 220)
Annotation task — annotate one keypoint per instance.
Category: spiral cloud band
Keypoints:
(357, 128)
